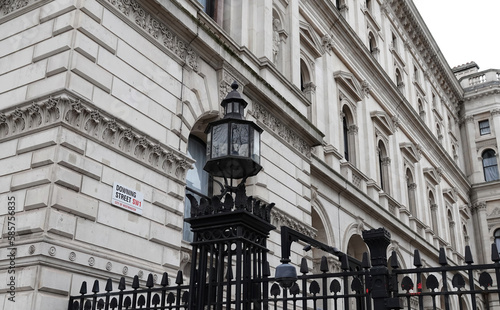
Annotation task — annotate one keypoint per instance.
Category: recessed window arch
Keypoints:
(434, 212)
(439, 133)
(399, 80)
(490, 166)
(411, 192)
(368, 4)
(421, 110)
(372, 44)
(349, 130)
(383, 164)
(305, 76)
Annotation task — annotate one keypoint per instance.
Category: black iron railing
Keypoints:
(150, 297)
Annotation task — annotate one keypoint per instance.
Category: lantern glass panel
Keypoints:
(236, 108)
(229, 108)
(256, 146)
(209, 143)
(239, 140)
(219, 140)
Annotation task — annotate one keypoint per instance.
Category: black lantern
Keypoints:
(233, 143)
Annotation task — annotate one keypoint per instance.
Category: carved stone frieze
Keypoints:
(91, 122)
(9, 6)
(279, 218)
(282, 130)
(136, 13)
(226, 78)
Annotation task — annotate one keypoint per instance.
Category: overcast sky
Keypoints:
(464, 30)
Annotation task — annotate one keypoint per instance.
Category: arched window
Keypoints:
(197, 180)
(411, 189)
(349, 130)
(368, 4)
(399, 80)
(421, 110)
(305, 77)
(383, 162)
(372, 44)
(490, 166)
(497, 238)
(466, 235)
(439, 134)
(345, 129)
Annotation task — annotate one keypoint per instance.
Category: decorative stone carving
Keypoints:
(480, 206)
(353, 129)
(9, 6)
(328, 42)
(226, 79)
(133, 10)
(386, 161)
(72, 256)
(365, 88)
(283, 131)
(279, 218)
(395, 121)
(52, 251)
(91, 261)
(99, 126)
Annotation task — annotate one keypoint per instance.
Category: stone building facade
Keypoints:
(365, 125)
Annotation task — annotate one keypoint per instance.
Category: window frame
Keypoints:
(489, 166)
(481, 128)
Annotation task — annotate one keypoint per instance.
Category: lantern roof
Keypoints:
(234, 96)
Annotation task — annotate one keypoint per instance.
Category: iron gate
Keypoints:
(230, 270)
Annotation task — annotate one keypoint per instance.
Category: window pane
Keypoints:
(491, 173)
(219, 141)
(484, 127)
(239, 140)
(196, 181)
(197, 178)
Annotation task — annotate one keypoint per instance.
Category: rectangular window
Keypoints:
(484, 127)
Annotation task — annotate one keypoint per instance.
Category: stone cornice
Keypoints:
(99, 126)
(426, 47)
(136, 14)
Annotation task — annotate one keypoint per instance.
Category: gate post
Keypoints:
(378, 240)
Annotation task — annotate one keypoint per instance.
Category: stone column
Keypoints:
(471, 146)
(352, 132)
(481, 232)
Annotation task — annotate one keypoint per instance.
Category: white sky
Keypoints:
(464, 30)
